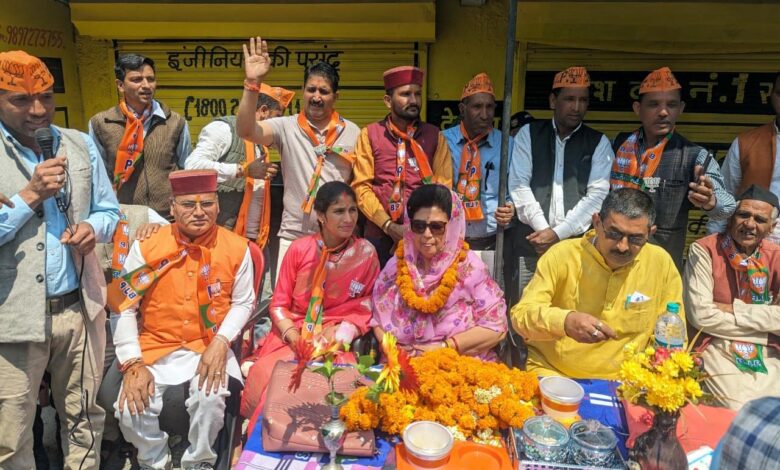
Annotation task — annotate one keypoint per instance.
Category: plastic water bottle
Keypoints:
(670, 329)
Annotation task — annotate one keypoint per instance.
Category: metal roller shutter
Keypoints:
(725, 94)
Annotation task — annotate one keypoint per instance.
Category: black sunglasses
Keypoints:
(437, 228)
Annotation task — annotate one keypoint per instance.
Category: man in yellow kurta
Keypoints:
(592, 296)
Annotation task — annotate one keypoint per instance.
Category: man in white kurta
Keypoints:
(193, 298)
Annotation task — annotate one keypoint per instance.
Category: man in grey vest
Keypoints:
(141, 140)
(52, 289)
(559, 176)
(220, 148)
(675, 172)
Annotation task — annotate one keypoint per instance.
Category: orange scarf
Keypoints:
(470, 176)
(752, 273)
(249, 188)
(419, 161)
(121, 243)
(312, 324)
(131, 147)
(628, 171)
(128, 290)
(322, 147)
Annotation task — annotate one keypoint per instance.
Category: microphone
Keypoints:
(45, 140)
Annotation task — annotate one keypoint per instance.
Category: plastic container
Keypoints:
(561, 397)
(592, 443)
(545, 439)
(670, 329)
(428, 445)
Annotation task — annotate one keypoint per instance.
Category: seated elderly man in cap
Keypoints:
(192, 284)
(733, 279)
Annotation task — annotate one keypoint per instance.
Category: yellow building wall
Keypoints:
(43, 28)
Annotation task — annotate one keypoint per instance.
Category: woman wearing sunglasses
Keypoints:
(435, 293)
(324, 289)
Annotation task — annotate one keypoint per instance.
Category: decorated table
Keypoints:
(600, 403)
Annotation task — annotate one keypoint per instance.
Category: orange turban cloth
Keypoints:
(479, 84)
(278, 94)
(21, 72)
(659, 80)
(573, 77)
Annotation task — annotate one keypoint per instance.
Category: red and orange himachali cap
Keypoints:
(403, 75)
(573, 77)
(659, 80)
(21, 72)
(193, 182)
(479, 84)
(278, 94)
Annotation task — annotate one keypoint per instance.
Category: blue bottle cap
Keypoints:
(673, 307)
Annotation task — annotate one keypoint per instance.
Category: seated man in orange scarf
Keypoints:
(192, 283)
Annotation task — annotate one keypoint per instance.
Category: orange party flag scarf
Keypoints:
(127, 290)
(121, 243)
(249, 187)
(321, 148)
(418, 162)
(629, 171)
(470, 176)
(312, 324)
(131, 147)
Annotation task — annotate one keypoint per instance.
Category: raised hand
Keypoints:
(257, 62)
(702, 191)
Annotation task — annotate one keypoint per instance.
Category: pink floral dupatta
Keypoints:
(476, 300)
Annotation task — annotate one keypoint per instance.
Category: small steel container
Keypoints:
(592, 443)
(544, 439)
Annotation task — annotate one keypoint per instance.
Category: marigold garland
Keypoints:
(434, 302)
(473, 398)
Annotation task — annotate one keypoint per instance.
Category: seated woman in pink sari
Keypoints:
(345, 268)
(435, 293)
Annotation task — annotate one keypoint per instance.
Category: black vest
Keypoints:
(671, 197)
(577, 158)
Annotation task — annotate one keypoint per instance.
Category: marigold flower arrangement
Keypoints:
(661, 379)
(471, 397)
(434, 302)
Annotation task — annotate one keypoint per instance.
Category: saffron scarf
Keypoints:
(419, 162)
(470, 176)
(121, 242)
(249, 187)
(628, 170)
(128, 290)
(752, 274)
(312, 324)
(321, 148)
(131, 147)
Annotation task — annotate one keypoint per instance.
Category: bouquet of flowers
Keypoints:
(320, 348)
(660, 378)
(474, 399)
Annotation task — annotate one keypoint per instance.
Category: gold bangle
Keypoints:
(386, 224)
(284, 334)
(223, 339)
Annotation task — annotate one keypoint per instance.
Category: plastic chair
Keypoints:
(226, 439)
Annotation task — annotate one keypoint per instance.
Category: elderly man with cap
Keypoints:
(732, 295)
(191, 285)
(315, 145)
(657, 159)
(140, 139)
(560, 173)
(52, 289)
(396, 155)
(476, 157)
(244, 170)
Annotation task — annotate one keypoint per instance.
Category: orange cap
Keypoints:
(278, 94)
(479, 84)
(19, 71)
(659, 80)
(573, 77)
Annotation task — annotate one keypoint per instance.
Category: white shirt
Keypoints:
(180, 365)
(732, 178)
(213, 142)
(529, 211)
